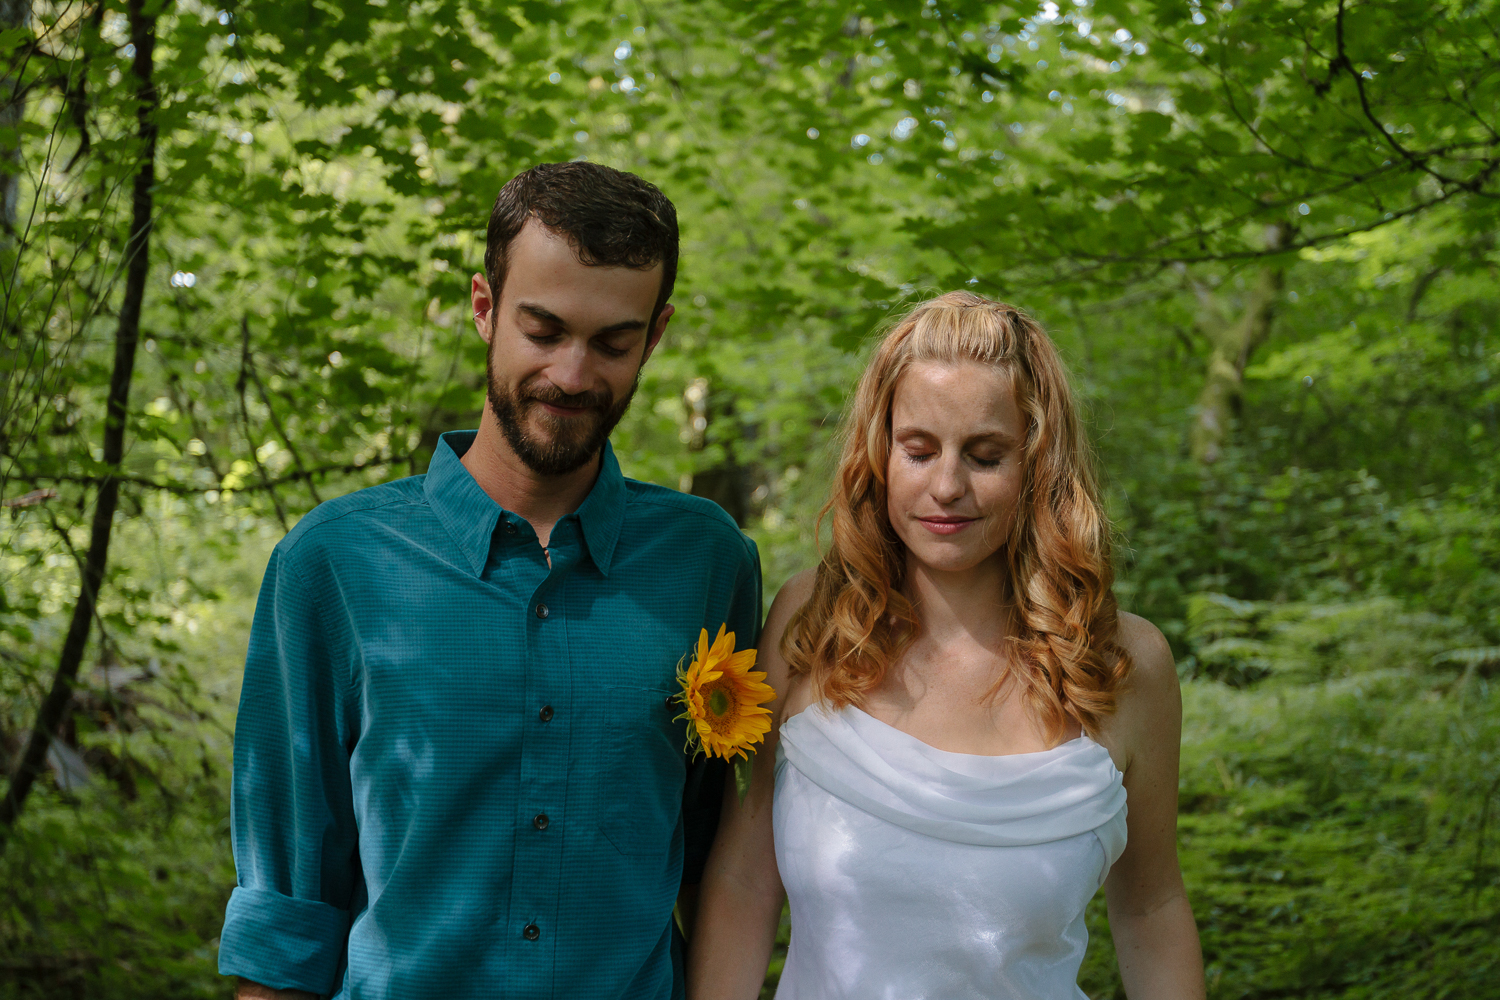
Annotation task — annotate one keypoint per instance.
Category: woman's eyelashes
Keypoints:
(983, 461)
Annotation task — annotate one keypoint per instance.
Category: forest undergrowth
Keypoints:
(1338, 837)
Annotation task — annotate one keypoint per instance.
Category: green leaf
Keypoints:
(743, 769)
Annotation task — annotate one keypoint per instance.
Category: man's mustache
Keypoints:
(553, 396)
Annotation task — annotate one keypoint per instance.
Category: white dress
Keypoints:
(919, 874)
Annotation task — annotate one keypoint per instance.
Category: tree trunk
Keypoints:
(1233, 342)
(726, 483)
(13, 14)
(54, 707)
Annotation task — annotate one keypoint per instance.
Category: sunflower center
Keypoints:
(719, 701)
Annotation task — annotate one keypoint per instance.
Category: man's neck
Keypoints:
(511, 483)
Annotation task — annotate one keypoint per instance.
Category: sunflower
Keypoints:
(724, 699)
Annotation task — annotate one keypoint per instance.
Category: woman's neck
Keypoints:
(959, 605)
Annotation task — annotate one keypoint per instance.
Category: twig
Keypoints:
(239, 388)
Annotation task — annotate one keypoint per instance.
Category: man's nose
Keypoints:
(569, 369)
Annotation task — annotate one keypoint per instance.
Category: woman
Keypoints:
(962, 712)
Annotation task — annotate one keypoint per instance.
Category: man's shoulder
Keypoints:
(349, 516)
(687, 512)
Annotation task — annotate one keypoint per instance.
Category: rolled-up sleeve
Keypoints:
(291, 807)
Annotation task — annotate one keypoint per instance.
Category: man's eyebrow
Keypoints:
(538, 312)
(547, 316)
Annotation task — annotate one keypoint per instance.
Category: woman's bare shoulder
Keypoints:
(1148, 709)
(1151, 662)
(796, 591)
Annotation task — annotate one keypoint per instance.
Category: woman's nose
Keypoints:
(950, 484)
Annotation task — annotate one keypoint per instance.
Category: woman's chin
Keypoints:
(939, 558)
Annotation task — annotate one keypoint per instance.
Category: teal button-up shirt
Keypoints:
(456, 771)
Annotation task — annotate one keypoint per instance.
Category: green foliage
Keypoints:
(1241, 642)
(105, 897)
(1334, 837)
(1122, 169)
(115, 882)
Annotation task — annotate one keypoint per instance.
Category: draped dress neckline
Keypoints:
(1008, 800)
(922, 874)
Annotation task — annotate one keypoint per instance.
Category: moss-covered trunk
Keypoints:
(1232, 341)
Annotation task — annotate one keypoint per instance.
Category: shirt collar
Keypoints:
(463, 508)
(471, 517)
(602, 513)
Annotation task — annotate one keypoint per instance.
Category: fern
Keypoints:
(1243, 642)
(1476, 657)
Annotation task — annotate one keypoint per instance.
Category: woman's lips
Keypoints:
(946, 525)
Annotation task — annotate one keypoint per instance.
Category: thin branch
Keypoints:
(189, 489)
(276, 425)
(239, 388)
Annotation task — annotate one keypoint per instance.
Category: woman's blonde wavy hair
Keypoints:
(1058, 585)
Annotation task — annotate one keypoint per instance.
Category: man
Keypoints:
(457, 772)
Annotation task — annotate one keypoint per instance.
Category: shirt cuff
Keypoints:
(283, 942)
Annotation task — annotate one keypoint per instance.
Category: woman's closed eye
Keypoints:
(982, 461)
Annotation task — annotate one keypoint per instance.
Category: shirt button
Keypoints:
(545, 714)
(540, 821)
(510, 527)
(541, 611)
(669, 700)
(531, 932)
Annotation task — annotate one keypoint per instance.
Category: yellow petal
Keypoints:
(723, 645)
(741, 661)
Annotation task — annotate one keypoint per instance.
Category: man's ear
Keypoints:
(484, 305)
(659, 328)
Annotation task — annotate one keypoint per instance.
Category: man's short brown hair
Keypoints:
(611, 218)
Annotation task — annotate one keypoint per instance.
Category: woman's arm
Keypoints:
(1156, 940)
(740, 899)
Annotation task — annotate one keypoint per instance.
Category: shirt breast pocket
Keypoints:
(643, 770)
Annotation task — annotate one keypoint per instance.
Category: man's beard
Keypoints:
(572, 442)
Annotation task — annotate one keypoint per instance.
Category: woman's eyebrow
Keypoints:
(998, 436)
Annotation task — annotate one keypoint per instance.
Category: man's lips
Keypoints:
(946, 525)
(562, 411)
